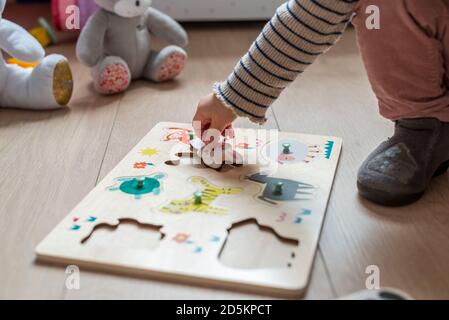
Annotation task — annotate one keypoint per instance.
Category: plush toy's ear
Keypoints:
(131, 8)
(105, 4)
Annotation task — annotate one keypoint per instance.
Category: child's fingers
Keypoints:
(200, 124)
(219, 125)
(214, 131)
(229, 132)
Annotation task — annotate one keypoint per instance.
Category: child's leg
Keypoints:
(407, 63)
(407, 59)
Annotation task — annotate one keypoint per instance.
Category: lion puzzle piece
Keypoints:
(179, 134)
(209, 157)
(218, 155)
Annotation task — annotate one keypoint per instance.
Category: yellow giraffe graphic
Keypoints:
(210, 193)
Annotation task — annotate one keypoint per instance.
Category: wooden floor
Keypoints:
(50, 160)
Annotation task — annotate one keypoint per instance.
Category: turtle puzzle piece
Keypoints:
(201, 201)
(278, 189)
(139, 185)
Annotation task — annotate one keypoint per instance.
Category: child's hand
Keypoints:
(212, 114)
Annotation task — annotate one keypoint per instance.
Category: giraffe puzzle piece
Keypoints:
(139, 185)
(291, 190)
(209, 192)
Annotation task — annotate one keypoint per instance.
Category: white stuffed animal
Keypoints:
(47, 86)
(116, 44)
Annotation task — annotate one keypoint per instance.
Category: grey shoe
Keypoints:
(398, 172)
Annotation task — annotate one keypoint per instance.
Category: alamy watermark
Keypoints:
(73, 278)
(373, 280)
(215, 148)
(72, 21)
(372, 22)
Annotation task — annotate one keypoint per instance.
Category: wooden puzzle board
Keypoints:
(191, 236)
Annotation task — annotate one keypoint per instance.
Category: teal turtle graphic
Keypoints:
(139, 185)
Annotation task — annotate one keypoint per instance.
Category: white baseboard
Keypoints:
(218, 10)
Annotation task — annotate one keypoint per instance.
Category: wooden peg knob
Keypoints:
(198, 197)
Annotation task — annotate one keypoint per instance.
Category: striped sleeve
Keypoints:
(299, 32)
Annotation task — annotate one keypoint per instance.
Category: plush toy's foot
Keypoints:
(62, 82)
(48, 86)
(166, 64)
(171, 67)
(113, 77)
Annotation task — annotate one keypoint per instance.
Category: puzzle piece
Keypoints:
(291, 151)
(209, 192)
(200, 154)
(139, 185)
(277, 189)
(178, 134)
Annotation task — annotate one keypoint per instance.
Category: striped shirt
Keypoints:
(299, 32)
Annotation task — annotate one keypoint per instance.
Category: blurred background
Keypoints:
(51, 15)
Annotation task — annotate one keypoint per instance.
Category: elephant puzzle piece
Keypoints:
(201, 202)
(277, 189)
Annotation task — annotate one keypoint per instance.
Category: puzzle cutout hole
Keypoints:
(128, 234)
(252, 246)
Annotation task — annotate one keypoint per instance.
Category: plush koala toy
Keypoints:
(47, 86)
(116, 44)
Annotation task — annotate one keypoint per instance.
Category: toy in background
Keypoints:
(44, 33)
(116, 44)
(48, 85)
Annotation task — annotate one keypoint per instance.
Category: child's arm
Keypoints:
(299, 32)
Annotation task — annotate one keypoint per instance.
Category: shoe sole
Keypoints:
(391, 200)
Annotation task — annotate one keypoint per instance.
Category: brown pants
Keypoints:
(407, 59)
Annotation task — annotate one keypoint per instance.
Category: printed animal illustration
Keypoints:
(210, 193)
(292, 190)
(139, 186)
